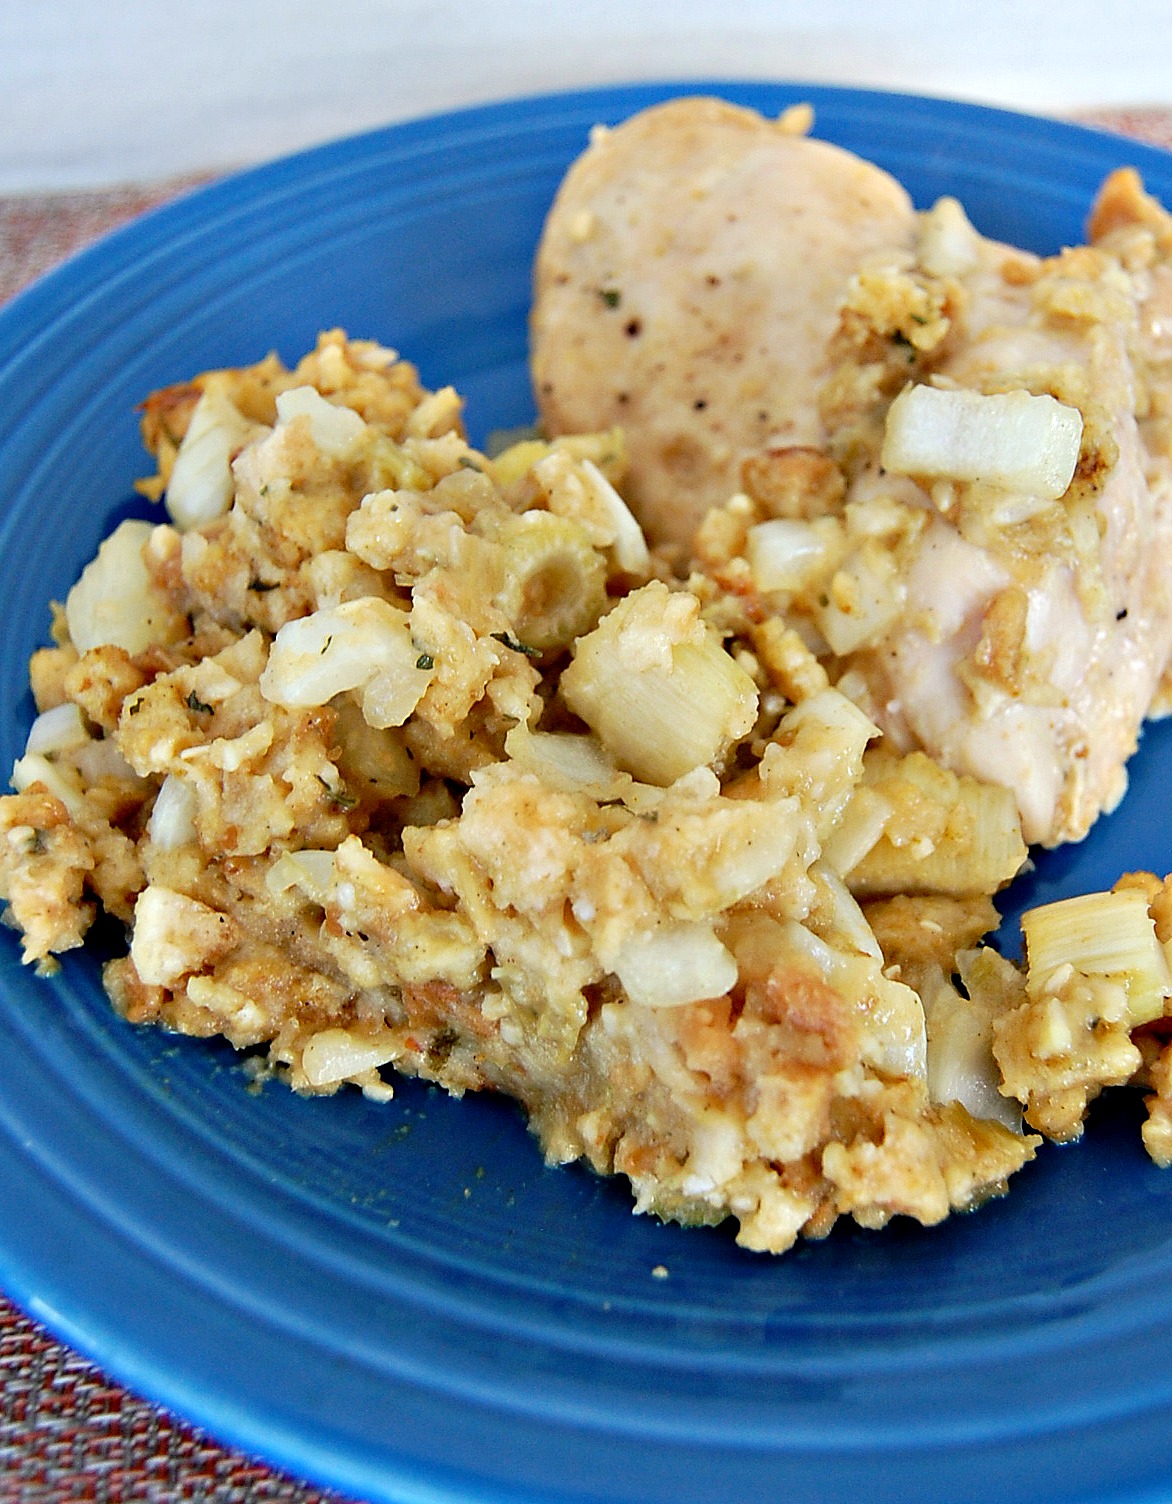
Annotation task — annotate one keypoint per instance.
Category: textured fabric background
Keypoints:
(67, 1434)
(70, 1436)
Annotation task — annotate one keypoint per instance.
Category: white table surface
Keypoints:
(101, 92)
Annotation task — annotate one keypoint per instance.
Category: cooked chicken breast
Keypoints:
(1034, 631)
(687, 284)
(748, 304)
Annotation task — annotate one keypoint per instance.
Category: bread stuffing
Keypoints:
(395, 756)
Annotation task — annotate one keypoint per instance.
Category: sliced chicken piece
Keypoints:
(686, 287)
(1133, 226)
(1034, 632)
(749, 304)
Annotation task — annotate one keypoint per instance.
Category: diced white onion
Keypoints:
(680, 963)
(1109, 935)
(859, 828)
(847, 918)
(756, 849)
(949, 246)
(1009, 439)
(363, 644)
(310, 870)
(783, 553)
(336, 431)
(864, 598)
(100, 758)
(568, 761)
(33, 768)
(201, 488)
(894, 1038)
(849, 729)
(393, 693)
(58, 730)
(333, 1055)
(172, 821)
(115, 603)
(630, 546)
(961, 1067)
(803, 942)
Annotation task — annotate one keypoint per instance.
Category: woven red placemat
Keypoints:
(39, 230)
(67, 1434)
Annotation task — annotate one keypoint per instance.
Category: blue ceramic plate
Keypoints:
(403, 1301)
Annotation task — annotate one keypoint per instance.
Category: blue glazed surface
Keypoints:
(402, 1301)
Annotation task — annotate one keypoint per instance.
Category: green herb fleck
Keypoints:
(517, 647)
(262, 585)
(425, 661)
(195, 703)
(337, 795)
(611, 296)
